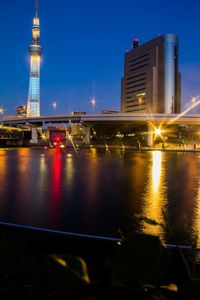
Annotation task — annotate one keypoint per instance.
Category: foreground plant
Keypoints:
(190, 288)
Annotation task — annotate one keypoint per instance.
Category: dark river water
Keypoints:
(96, 192)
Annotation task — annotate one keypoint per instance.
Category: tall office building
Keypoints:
(152, 82)
(35, 50)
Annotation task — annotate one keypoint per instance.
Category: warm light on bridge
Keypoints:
(158, 131)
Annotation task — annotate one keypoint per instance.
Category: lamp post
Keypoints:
(93, 102)
(2, 110)
(54, 105)
(193, 100)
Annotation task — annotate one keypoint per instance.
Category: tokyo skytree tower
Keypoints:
(35, 50)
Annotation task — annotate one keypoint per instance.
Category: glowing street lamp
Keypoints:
(93, 102)
(54, 105)
(194, 100)
(158, 131)
(2, 110)
(1, 113)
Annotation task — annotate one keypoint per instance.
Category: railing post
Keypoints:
(149, 134)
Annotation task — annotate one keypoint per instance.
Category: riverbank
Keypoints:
(32, 262)
(107, 147)
(38, 264)
(127, 147)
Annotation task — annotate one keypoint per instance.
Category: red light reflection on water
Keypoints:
(56, 187)
(56, 180)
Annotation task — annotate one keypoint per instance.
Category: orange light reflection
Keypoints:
(155, 195)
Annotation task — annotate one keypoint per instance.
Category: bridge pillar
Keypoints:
(87, 135)
(34, 136)
(150, 135)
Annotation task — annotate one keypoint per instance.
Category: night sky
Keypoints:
(84, 44)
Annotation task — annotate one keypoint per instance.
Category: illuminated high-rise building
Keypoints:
(152, 82)
(35, 50)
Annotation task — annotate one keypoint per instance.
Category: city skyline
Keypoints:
(84, 50)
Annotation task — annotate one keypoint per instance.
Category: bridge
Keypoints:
(105, 118)
(151, 120)
(9, 133)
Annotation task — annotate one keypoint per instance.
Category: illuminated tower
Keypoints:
(35, 50)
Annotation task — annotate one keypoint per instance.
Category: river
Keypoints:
(97, 191)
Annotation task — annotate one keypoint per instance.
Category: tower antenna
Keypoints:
(36, 8)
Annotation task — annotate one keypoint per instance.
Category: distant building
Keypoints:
(21, 111)
(78, 113)
(109, 111)
(152, 82)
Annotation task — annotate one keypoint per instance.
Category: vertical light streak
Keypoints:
(70, 171)
(155, 196)
(3, 177)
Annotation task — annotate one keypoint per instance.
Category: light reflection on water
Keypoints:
(155, 193)
(196, 223)
(69, 173)
(96, 193)
(3, 173)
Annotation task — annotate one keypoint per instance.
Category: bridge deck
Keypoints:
(106, 118)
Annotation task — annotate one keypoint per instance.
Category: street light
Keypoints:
(93, 102)
(158, 131)
(54, 105)
(193, 100)
(2, 110)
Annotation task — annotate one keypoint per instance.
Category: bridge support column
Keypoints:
(87, 135)
(34, 136)
(149, 135)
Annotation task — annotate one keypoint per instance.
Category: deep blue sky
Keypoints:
(84, 44)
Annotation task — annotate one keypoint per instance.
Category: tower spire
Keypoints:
(36, 8)
(35, 50)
